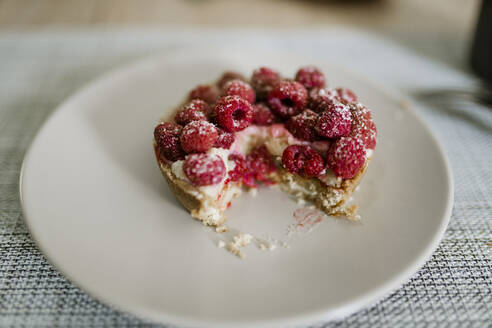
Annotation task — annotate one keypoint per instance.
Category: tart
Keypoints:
(311, 141)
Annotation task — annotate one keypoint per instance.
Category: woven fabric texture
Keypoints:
(39, 70)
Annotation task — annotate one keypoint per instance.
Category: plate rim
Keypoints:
(308, 317)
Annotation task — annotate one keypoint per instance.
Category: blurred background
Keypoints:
(432, 28)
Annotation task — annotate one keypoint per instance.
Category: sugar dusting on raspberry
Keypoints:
(360, 110)
(166, 128)
(302, 125)
(225, 139)
(322, 98)
(346, 156)
(346, 95)
(310, 77)
(233, 113)
(288, 98)
(167, 138)
(241, 89)
(263, 115)
(169, 146)
(203, 169)
(195, 110)
(198, 136)
(363, 126)
(335, 121)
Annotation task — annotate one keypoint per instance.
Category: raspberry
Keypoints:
(166, 136)
(360, 110)
(263, 81)
(259, 165)
(346, 95)
(314, 166)
(224, 140)
(166, 128)
(302, 125)
(363, 126)
(310, 77)
(204, 170)
(233, 113)
(321, 99)
(288, 98)
(241, 89)
(195, 110)
(208, 93)
(198, 136)
(346, 157)
(303, 160)
(262, 114)
(336, 121)
(170, 147)
(229, 76)
(370, 135)
(240, 167)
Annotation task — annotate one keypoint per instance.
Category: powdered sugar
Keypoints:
(198, 136)
(335, 121)
(241, 89)
(288, 98)
(321, 99)
(363, 126)
(302, 125)
(346, 95)
(346, 157)
(310, 77)
(233, 113)
(203, 169)
(195, 110)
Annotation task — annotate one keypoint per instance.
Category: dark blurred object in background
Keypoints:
(481, 59)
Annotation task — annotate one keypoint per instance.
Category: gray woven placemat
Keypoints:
(38, 71)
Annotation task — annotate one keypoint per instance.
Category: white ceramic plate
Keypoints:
(99, 209)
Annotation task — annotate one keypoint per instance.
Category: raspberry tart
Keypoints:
(314, 142)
